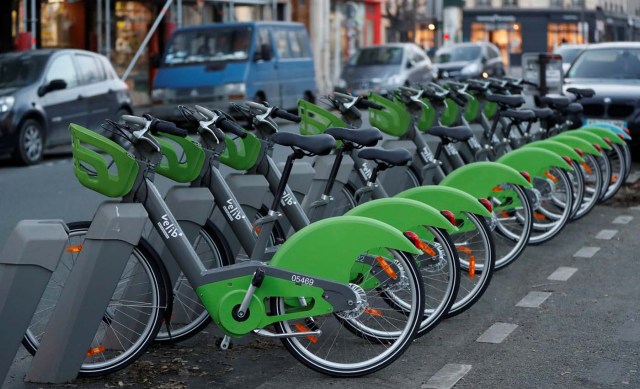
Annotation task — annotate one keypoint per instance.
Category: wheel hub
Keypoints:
(358, 306)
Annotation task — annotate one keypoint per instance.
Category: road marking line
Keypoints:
(636, 208)
(586, 252)
(562, 273)
(447, 377)
(533, 299)
(606, 234)
(497, 333)
(624, 219)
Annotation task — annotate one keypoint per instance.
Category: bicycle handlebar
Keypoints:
(364, 103)
(282, 114)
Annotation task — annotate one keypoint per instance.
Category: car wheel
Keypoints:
(30, 147)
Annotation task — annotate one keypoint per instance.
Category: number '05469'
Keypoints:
(302, 280)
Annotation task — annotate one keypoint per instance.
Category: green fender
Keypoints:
(479, 178)
(604, 133)
(557, 147)
(329, 248)
(591, 137)
(576, 142)
(403, 214)
(444, 197)
(535, 161)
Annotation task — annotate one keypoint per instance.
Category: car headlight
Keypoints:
(235, 91)
(6, 103)
(395, 80)
(472, 68)
(341, 83)
(161, 95)
(434, 73)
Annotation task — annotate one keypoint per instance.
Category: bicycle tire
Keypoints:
(159, 294)
(546, 208)
(354, 360)
(593, 185)
(618, 171)
(507, 237)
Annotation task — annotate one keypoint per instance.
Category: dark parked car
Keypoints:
(569, 52)
(383, 68)
(42, 91)
(613, 71)
(468, 60)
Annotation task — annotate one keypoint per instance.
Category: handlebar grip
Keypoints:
(228, 125)
(134, 120)
(458, 99)
(364, 103)
(170, 128)
(282, 114)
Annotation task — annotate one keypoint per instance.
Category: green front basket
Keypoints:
(316, 120)
(91, 167)
(241, 154)
(393, 119)
(181, 168)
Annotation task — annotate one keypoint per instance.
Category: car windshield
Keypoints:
(613, 63)
(457, 54)
(216, 44)
(569, 53)
(18, 71)
(377, 56)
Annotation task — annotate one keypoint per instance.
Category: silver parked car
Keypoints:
(383, 68)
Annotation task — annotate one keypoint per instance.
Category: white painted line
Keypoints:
(533, 299)
(447, 377)
(497, 333)
(562, 273)
(606, 234)
(624, 219)
(586, 252)
(636, 208)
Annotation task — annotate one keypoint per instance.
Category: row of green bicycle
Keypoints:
(345, 260)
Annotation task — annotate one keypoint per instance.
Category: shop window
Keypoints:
(559, 33)
(90, 70)
(509, 3)
(506, 36)
(62, 68)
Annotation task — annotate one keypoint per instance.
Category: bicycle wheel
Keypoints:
(340, 352)
(512, 222)
(576, 177)
(119, 339)
(593, 183)
(605, 167)
(189, 316)
(618, 171)
(552, 210)
(477, 255)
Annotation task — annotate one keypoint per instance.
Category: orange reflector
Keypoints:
(538, 216)
(586, 168)
(472, 266)
(95, 350)
(302, 328)
(579, 151)
(504, 213)
(419, 244)
(373, 312)
(487, 204)
(387, 269)
(597, 146)
(257, 229)
(497, 189)
(526, 175)
(607, 140)
(614, 178)
(551, 177)
(449, 215)
(465, 249)
(74, 249)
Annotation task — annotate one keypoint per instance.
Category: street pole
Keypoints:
(144, 43)
(179, 13)
(25, 18)
(100, 26)
(33, 25)
(107, 13)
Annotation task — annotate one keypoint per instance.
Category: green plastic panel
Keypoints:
(557, 147)
(574, 141)
(479, 178)
(393, 119)
(490, 109)
(444, 197)
(183, 167)
(403, 214)
(315, 119)
(241, 154)
(472, 109)
(449, 116)
(534, 161)
(591, 137)
(101, 180)
(428, 117)
(604, 133)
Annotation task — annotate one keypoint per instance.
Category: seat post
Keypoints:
(286, 172)
(334, 170)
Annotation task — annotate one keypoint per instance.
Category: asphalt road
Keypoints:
(585, 334)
